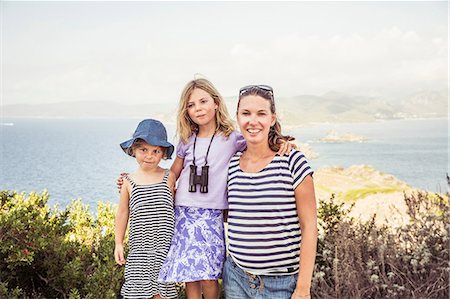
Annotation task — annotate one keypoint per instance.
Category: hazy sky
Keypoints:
(141, 52)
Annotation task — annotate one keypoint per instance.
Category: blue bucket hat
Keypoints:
(151, 131)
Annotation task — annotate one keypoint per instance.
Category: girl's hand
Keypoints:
(119, 181)
(118, 255)
(286, 147)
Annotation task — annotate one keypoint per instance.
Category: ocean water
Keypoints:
(415, 151)
(81, 158)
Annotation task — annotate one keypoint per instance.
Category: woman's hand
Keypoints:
(301, 294)
(119, 181)
(118, 255)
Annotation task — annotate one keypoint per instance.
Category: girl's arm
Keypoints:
(285, 147)
(307, 213)
(121, 223)
(171, 182)
(177, 166)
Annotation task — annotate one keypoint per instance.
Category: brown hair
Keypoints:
(275, 136)
(185, 126)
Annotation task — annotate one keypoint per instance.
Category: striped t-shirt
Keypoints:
(263, 227)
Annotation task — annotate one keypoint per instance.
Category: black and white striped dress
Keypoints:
(151, 231)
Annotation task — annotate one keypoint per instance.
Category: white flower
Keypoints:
(374, 278)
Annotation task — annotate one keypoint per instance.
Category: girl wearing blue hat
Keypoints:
(146, 200)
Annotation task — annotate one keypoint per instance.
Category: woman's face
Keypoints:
(255, 118)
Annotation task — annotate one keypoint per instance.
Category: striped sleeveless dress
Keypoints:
(150, 234)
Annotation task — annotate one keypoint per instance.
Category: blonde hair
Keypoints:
(186, 127)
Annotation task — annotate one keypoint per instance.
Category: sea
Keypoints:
(81, 158)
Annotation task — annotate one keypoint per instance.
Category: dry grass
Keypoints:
(365, 260)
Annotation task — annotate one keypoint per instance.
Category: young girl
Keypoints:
(272, 209)
(146, 197)
(207, 142)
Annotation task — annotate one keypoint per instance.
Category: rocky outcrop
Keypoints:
(371, 191)
(334, 136)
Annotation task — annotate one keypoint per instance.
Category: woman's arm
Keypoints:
(121, 223)
(307, 213)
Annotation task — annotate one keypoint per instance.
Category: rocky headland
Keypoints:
(371, 191)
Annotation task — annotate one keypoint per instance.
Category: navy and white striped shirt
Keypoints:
(263, 228)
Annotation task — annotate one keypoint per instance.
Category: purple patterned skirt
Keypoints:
(197, 250)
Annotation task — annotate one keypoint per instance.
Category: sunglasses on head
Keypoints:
(260, 87)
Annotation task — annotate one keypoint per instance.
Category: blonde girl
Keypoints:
(207, 142)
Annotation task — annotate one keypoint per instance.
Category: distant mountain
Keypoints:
(425, 104)
(293, 111)
(332, 108)
(86, 109)
(338, 107)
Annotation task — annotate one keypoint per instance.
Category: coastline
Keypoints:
(98, 164)
(370, 191)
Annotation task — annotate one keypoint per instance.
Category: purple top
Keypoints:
(220, 153)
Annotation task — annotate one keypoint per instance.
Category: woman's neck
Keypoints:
(258, 151)
(206, 130)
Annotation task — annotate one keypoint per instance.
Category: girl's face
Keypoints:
(201, 108)
(255, 119)
(148, 156)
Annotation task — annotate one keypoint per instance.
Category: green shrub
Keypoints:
(56, 254)
(52, 253)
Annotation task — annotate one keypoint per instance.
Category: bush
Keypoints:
(56, 254)
(51, 253)
(362, 260)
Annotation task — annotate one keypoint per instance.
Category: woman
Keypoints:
(272, 209)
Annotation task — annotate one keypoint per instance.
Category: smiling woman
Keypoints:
(272, 209)
(258, 110)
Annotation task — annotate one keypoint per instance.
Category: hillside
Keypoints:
(293, 111)
(337, 107)
(372, 191)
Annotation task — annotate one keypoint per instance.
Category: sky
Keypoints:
(145, 52)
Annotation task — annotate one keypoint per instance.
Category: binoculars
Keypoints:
(195, 179)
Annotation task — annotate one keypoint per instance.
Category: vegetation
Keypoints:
(51, 253)
(361, 260)
(355, 194)
(56, 254)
